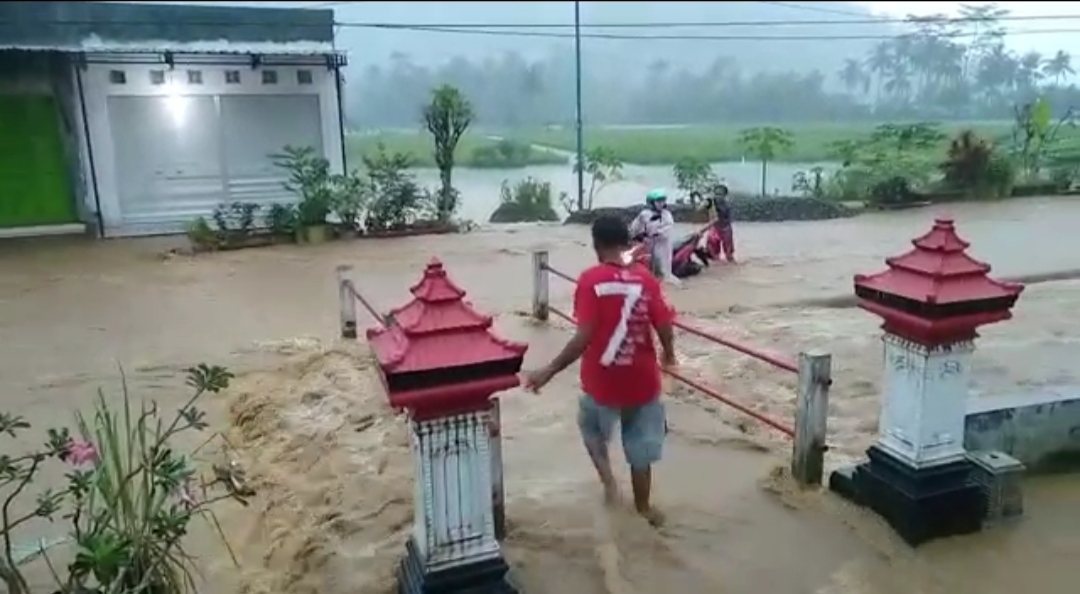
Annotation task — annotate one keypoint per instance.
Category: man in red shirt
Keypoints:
(617, 305)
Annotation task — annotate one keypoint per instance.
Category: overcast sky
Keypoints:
(1042, 43)
(1045, 43)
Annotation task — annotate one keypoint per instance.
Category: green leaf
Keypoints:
(1040, 115)
(205, 378)
(11, 424)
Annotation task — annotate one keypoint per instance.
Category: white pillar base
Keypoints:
(453, 546)
(917, 476)
(924, 401)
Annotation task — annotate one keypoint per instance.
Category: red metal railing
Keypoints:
(785, 429)
(771, 359)
(348, 284)
(808, 433)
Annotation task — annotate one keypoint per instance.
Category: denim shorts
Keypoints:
(643, 428)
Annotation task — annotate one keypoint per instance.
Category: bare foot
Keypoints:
(653, 516)
(611, 496)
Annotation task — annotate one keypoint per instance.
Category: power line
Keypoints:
(516, 29)
(782, 4)
(650, 25)
(718, 24)
(817, 9)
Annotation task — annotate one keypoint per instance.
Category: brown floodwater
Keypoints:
(332, 464)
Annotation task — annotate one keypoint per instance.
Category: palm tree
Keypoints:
(1058, 67)
(1028, 73)
(881, 60)
(899, 84)
(853, 76)
(999, 73)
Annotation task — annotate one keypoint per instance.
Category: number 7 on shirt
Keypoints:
(631, 294)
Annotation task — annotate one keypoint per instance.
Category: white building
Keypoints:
(133, 119)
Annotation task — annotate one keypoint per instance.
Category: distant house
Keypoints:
(132, 119)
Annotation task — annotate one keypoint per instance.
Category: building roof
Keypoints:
(134, 28)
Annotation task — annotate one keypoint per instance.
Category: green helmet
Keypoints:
(654, 195)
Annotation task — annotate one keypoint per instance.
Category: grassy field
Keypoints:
(662, 146)
(474, 150)
(665, 146)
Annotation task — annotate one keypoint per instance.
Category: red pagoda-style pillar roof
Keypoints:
(936, 293)
(438, 355)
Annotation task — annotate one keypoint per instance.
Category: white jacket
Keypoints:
(661, 228)
(660, 231)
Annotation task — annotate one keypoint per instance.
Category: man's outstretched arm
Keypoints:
(662, 317)
(585, 302)
(573, 349)
(666, 334)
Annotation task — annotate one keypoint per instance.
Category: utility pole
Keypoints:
(577, 122)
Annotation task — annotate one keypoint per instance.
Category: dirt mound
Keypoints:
(331, 464)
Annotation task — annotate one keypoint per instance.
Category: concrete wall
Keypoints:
(1041, 430)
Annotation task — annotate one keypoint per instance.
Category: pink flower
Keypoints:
(81, 452)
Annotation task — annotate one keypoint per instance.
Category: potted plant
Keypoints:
(313, 210)
(309, 178)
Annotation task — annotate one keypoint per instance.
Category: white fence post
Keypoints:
(811, 418)
(540, 285)
(498, 495)
(347, 301)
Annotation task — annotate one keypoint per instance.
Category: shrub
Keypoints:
(398, 201)
(967, 162)
(1001, 174)
(233, 223)
(235, 220)
(693, 175)
(890, 180)
(309, 178)
(603, 167)
(504, 154)
(528, 200)
(350, 195)
(129, 495)
(202, 235)
(973, 167)
(886, 168)
(784, 208)
(283, 219)
(892, 192)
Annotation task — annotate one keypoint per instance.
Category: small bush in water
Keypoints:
(528, 200)
(504, 154)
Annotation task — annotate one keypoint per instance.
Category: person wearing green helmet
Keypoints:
(656, 224)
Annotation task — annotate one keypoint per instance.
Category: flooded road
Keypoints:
(70, 311)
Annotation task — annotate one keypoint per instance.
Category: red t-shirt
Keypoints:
(619, 365)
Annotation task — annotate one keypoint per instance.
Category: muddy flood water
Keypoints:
(307, 419)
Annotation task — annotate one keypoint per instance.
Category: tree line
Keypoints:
(940, 69)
